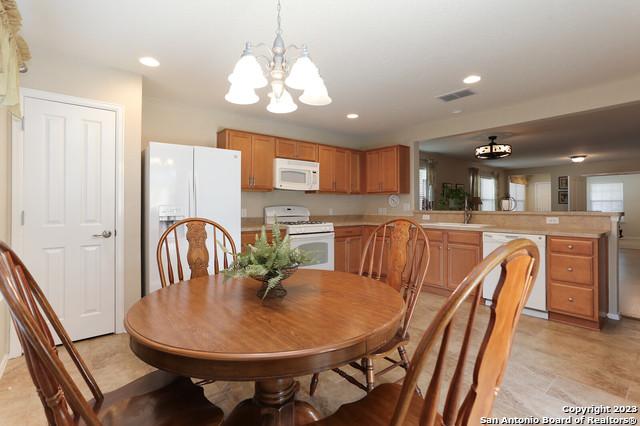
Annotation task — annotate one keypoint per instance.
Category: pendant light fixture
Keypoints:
(493, 150)
(248, 75)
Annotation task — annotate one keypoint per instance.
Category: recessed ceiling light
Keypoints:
(149, 61)
(352, 116)
(470, 79)
(456, 111)
(578, 158)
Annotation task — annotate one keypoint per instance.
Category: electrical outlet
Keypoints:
(553, 220)
(243, 212)
(426, 217)
(331, 212)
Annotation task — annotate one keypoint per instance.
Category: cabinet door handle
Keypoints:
(570, 269)
(570, 246)
(570, 299)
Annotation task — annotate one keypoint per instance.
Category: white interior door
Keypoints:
(542, 196)
(69, 176)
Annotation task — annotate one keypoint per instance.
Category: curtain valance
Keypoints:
(14, 53)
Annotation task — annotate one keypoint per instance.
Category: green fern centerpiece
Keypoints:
(270, 263)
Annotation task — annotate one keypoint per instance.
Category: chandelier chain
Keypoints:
(279, 31)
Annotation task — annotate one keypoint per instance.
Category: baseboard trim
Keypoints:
(3, 364)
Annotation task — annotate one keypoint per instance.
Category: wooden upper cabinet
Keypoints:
(307, 151)
(240, 142)
(298, 150)
(285, 148)
(355, 172)
(341, 170)
(388, 170)
(326, 157)
(257, 154)
(263, 149)
(373, 172)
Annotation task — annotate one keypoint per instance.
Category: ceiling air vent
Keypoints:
(463, 93)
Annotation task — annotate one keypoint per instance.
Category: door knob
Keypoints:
(570, 246)
(105, 234)
(570, 269)
(571, 299)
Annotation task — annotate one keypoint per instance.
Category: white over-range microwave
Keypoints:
(296, 175)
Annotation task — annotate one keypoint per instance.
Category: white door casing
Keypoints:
(67, 173)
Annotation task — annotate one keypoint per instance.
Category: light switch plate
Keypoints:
(243, 212)
(553, 220)
(406, 207)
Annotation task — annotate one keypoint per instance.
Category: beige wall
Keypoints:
(579, 169)
(51, 72)
(171, 122)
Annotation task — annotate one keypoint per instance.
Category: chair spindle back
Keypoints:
(519, 260)
(198, 253)
(30, 311)
(397, 252)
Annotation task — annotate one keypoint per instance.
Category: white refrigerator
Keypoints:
(187, 181)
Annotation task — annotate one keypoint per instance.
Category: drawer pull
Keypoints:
(570, 299)
(570, 269)
(570, 246)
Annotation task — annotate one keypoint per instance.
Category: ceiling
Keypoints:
(386, 61)
(607, 134)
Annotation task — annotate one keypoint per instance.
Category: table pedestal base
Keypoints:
(273, 404)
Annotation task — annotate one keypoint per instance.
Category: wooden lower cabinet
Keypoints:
(577, 280)
(348, 249)
(249, 237)
(461, 259)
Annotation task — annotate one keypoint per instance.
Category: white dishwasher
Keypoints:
(537, 304)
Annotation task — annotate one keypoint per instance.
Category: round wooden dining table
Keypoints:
(217, 328)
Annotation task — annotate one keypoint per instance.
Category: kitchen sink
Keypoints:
(456, 225)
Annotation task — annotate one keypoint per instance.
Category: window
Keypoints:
(606, 197)
(422, 196)
(488, 193)
(519, 193)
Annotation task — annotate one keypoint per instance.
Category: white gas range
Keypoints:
(316, 238)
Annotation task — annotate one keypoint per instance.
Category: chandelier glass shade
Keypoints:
(249, 75)
(493, 150)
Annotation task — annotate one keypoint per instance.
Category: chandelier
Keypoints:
(248, 75)
(493, 150)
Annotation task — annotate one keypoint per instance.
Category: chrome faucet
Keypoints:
(467, 210)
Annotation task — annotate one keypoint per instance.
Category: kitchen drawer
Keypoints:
(464, 237)
(571, 246)
(571, 300)
(434, 235)
(348, 231)
(572, 269)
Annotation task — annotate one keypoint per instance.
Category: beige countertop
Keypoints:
(552, 230)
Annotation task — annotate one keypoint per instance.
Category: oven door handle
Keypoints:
(318, 236)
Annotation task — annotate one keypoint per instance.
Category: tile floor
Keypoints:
(551, 365)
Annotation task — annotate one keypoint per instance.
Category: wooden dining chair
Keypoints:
(198, 255)
(158, 398)
(398, 405)
(396, 252)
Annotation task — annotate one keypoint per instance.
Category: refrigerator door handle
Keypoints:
(190, 192)
(195, 194)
